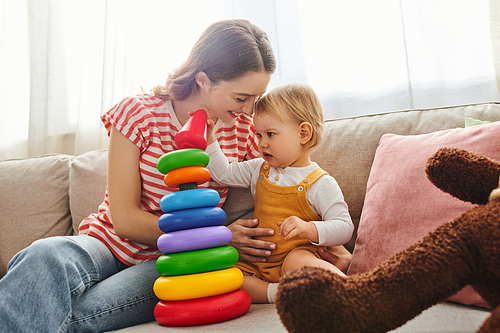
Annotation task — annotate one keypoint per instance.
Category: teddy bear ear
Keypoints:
(465, 175)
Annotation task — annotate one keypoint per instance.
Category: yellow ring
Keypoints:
(177, 288)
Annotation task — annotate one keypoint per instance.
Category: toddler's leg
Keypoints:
(256, 288)
(301, 258)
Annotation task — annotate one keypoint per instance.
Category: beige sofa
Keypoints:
(49, 195)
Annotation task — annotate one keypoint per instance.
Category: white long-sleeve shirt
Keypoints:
(324, 196)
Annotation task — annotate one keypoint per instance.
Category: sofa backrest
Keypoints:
(50, 195)
(87, 185)
(349, 145)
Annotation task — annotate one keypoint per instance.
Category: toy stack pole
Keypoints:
(199, 284)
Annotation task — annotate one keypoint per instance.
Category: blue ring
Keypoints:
(192, 218)
(195, 198)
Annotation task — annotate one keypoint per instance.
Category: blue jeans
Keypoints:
(74, 284)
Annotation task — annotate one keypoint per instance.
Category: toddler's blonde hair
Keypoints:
(300, 102)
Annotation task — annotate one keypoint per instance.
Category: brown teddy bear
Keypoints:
(465, 251)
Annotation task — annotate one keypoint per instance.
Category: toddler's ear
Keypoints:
(305, 131)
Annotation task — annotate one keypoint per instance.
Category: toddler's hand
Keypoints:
(210, 131)
(296, 227)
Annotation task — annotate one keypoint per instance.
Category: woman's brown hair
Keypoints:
(226, 50)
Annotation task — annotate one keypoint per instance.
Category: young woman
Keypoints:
(103, 278)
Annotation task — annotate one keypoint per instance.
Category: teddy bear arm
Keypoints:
(465, 175)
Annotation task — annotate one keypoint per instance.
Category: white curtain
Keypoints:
(65, 62)
(495, 36)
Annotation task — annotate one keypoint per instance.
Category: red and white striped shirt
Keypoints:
(151, 124)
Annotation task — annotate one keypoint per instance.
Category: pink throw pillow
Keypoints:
(402, 205)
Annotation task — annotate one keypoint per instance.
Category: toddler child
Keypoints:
(293, 195)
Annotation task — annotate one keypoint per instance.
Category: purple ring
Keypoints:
(194, 239)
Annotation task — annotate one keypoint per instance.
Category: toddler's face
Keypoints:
(279, 142)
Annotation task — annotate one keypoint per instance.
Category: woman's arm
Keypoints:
(124, 190)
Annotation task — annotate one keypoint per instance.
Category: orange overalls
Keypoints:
(274, 203)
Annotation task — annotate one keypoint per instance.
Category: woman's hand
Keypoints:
(294, 226)
(248, 248)
(338, 256)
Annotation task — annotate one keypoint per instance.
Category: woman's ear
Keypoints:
(306, 132)
(203, 81)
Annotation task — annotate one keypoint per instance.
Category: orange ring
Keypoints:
(188, 174)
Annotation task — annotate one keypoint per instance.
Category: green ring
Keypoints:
(182, 158)
(198, 261)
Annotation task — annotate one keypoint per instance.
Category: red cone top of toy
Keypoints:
(194, 133)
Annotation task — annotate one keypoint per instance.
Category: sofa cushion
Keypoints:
(34, 197)
(239, 204)
(87, 184)
(348, 146)
(402, 205)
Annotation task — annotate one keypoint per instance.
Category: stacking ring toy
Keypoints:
(177, 288)
(190, 174)
(197, 261)
(194, 239)
(192, 218)
(182, 158)
(203, 311)
(202, 197)
(194, 133)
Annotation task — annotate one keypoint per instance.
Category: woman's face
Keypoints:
(228, 99)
